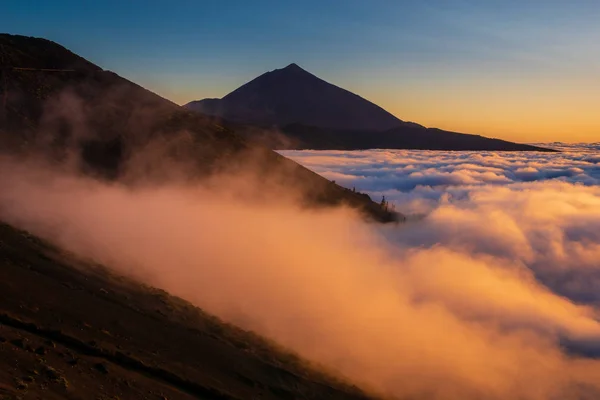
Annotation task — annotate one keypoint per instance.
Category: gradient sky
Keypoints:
(525, 70)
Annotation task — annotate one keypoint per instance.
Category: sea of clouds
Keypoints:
(494, 292)
(416, 180)
(541, 210)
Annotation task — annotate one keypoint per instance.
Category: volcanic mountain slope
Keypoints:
(73, 330)
(290, 108)
(57, 103)
(293, 95)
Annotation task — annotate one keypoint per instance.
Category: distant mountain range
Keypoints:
(290, 108)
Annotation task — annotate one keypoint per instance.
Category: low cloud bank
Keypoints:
(416, 180)
(493, 295)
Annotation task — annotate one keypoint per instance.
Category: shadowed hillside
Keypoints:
(56, 103)
(71, 329)
(290, 108)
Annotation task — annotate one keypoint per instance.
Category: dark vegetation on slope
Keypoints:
(54, 102)
(290, 108)
(71, 329)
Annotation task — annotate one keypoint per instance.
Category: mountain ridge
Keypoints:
(285, 108)
(270, 90)
(108, 121)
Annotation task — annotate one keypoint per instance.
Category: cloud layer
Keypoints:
(492, 295)
(542, 209)
(417, 180)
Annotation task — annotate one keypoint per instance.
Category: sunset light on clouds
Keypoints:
(494, 292)
(340, 200)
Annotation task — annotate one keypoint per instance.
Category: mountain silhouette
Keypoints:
(55, 102)
(293, 95)
(291, 108)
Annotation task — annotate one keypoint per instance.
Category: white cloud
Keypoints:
(540, 209)
(416, 180)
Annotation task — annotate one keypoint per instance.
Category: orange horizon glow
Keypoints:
(539, 109)
(533, 110)
(549, 123)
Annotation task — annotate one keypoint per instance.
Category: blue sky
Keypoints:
(432, 61)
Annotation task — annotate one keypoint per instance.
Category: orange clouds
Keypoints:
(444, 308)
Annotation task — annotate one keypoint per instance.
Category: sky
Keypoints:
(519, 70)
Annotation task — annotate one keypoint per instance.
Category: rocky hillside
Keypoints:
(74, 330)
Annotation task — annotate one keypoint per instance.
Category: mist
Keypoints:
(492, 295)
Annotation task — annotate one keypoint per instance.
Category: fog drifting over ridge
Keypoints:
(493, 295)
